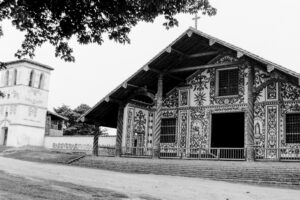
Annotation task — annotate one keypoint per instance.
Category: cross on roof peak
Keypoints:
(196, 18)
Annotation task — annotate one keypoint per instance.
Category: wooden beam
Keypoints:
(211, 42)
(239, 54)
(146, 68)
(209, 53)
(124, 85)
(172, 50)
(270, 68)
(166, 74)
(203, 66)
(189, 33)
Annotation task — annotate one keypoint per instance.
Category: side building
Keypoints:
(23, 108)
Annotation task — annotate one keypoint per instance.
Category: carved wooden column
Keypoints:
(158, 114)
(95, 143)
(250, 116)
(119, 130)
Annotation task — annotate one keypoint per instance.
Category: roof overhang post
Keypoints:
(250, 156)
(119, 130)
(158, 115)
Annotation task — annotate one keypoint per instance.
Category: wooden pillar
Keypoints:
(95, 143)
(250, 154)
(119, 130)
(158, 113)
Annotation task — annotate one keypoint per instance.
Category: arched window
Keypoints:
(6, 78)
(41, 82)
(31, 78)
(15, 77)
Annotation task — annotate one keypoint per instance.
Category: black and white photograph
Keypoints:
(149, 100)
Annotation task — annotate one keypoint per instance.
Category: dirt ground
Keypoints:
(15, 187)
(67, 180)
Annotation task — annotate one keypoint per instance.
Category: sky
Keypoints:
(268, 28)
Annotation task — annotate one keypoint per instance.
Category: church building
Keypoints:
(23, 107)
(203, 98)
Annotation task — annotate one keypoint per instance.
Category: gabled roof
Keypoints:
(30, 62)
(56, 115)
(191, 42)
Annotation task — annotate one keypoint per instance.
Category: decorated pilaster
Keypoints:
(158, 115)
(250, 116)
(119, 130)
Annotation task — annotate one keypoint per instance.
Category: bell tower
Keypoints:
(23, 108)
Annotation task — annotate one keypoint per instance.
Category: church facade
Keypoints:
(203, 98)
(23, 107)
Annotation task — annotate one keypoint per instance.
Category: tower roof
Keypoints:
(30, 62)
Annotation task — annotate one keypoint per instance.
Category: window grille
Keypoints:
(228, 82)
(293, 128)
(168, 130)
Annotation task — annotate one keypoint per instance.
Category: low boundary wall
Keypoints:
(78, 143)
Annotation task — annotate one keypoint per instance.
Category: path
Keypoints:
(158, 186)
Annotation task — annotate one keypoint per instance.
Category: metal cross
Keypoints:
(196, 20)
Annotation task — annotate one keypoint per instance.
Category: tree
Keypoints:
(74, 127)
(56, 21)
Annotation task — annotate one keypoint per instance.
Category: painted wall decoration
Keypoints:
(140, 122)
(183, 98)
(183, 129)
(169, 113)
(290, 92)
(129, 129)
(199, 129)
(171, 100)
(200, 85)
(272, 121)
(272, 91)
(259, 129)
(150, 130)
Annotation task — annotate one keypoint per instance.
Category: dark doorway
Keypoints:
(4, 132)
(227, 130)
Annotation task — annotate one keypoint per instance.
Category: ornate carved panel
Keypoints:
(169, 114)
(171, 101)
(200, 84)
(272, 120)
(199, 129)
(183, 98)
(129, 129)
(272, 91)
(140, 121)
(259, 129)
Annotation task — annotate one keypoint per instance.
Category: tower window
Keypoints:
(15, 77)
(228, 82)
(41, 82)
(292, 128)
(7, 78)
(31, 79)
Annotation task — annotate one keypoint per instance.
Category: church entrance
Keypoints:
(228, 132)
(3, 138)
